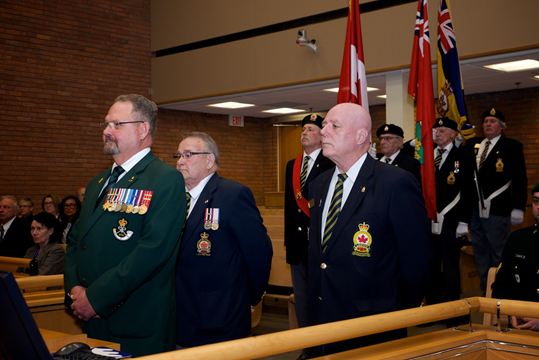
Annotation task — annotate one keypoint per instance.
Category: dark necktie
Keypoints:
(303, 174)
(113, 178)
(484, 153)
(438, 158)
(1, 232)
(334, 210)
(187, 201)
(388, 160)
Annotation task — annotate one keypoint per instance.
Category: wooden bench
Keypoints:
(12, 264)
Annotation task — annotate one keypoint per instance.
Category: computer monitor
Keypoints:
(19, 335)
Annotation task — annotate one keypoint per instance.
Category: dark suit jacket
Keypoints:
(214, 293)
(130, 283)
(450, 180)
(17, 239)
(391, 274)
(407, 162)
(296, 223)
(508, 154)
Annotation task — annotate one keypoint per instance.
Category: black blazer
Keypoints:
(408, 163)
(504, 162)
(17, 239)
(296, 223)
(378, 267)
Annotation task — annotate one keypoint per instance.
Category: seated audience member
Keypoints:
(47, 255)
(14, 235)
(80, 193)
(517, 277)
(50, 204)
(69, 213)
(26, 208)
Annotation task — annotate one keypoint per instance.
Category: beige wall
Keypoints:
(483, 26)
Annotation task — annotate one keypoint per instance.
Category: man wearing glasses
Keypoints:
(225, 253)
(391, 139)
(119, 268)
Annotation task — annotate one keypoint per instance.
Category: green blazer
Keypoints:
(130, 279)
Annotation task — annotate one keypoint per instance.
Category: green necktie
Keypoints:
(303, 174)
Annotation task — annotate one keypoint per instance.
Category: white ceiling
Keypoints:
(311, 97)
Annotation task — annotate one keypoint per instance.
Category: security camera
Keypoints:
(302, 40)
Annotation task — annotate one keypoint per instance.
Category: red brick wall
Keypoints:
(61, 65)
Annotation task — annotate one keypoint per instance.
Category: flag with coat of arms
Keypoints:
(420, 88)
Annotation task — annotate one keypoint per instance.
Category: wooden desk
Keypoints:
(55, 340)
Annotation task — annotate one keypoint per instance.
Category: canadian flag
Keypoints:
(353, 82)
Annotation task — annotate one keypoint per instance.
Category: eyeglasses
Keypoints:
(70, 205)
(187, 154)
(116, 124)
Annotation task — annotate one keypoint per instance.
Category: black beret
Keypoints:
(445, 122)
(390, 129)
(314, 119)
(494, 113)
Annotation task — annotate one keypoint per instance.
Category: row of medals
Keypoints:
(123, 207)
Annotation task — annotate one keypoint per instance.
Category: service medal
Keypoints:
(142, 209)
(451, 178)
(129, 209)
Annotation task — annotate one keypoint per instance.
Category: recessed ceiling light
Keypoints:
(382, 96)
(536, 77)
(231, 105)
(283, 111)
(518, 65)
(336, 90)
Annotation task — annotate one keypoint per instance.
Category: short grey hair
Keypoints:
(211, 145)
(143, 109)
(12, 198)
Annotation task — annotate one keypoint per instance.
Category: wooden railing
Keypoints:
(296, 339)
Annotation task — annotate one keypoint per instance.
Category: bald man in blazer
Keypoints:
(375, 257)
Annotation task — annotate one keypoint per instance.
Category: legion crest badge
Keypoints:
(121, 233)
(362, 240)
(204, 245)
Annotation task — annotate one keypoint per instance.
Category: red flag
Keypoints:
(353, 82)
(420, 88)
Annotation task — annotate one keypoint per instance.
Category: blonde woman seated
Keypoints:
(47, 254)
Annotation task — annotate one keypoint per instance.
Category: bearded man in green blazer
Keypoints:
(121, 254)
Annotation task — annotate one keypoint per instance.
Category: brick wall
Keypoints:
(61, 65)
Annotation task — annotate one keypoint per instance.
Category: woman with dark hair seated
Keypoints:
(69, 213)
(47, 255)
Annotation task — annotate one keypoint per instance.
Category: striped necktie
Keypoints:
(187, 201)
(438, 158)
(334, 210)
(304, 168)
(484, 153)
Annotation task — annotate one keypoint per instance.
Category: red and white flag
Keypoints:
(353, 82)
(420, 88)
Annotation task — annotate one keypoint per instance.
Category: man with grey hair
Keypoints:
(225, 253)
(15, 235)
(119, 267)
(497, 190)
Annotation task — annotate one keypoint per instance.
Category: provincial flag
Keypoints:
(420, 88)
(353, 82)
(450, 101)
